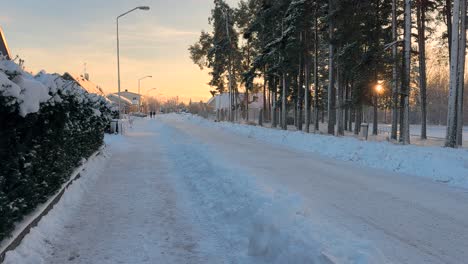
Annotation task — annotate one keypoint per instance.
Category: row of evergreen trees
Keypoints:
(330, 56)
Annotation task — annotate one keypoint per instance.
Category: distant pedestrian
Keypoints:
(151, 114)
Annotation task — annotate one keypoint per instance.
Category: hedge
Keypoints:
(40, 149)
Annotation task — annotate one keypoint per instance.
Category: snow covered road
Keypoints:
(173, 191)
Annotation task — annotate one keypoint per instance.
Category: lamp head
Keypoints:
(146, 8)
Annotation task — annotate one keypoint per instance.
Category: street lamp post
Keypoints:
(118, 50)
(139, 94)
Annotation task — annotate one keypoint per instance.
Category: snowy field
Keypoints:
(180, 189)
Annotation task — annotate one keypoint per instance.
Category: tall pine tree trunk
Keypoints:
(269, 103)
(340, 119)
(331, 75)
(421, 22)
(307, 94)
(346, 109)
(405, 135)
(284, 122)
(300, 88)
(274, 117)
(316, 77)
(461, 73)
(448, 18)
(451, 138)
(265, 112)
(375, 122)
(248, 85)
(358, 117)
(395, 72)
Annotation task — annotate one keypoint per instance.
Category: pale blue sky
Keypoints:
(61, 35)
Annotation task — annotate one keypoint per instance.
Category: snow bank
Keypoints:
(436, 163)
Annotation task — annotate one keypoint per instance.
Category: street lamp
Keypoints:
(145, 8)
(139, 98)
(152, 89)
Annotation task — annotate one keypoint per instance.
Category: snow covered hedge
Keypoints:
(47, 127)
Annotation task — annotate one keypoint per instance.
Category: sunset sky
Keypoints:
(62, 35)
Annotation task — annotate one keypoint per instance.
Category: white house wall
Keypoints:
(222, 101)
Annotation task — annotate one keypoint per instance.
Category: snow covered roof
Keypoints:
(4, 50)
(212, 99)
(126, 93)
(84, 82)
(115, 99)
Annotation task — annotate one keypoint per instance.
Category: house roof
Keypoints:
(84, 82)
(129, 93)
(4, 45)
(115, 98)
(212, 99)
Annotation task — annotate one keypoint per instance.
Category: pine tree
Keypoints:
(220, 53)
(457, 56)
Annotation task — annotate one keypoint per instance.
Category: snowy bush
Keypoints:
(47, 126)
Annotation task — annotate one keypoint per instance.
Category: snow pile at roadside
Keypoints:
(36, 245)
(436, 163)
(251, 223)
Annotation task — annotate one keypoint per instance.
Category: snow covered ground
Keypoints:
(436, 163)
(432, 130)
(180, 189)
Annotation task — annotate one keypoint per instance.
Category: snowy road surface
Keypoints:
(172, 191)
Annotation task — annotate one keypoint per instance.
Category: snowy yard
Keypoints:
(181, 189)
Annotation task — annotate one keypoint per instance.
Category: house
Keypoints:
(133, 98)
(220, 105)
(83, 81)
(221, 101)
(125, 104)
(4, 50)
